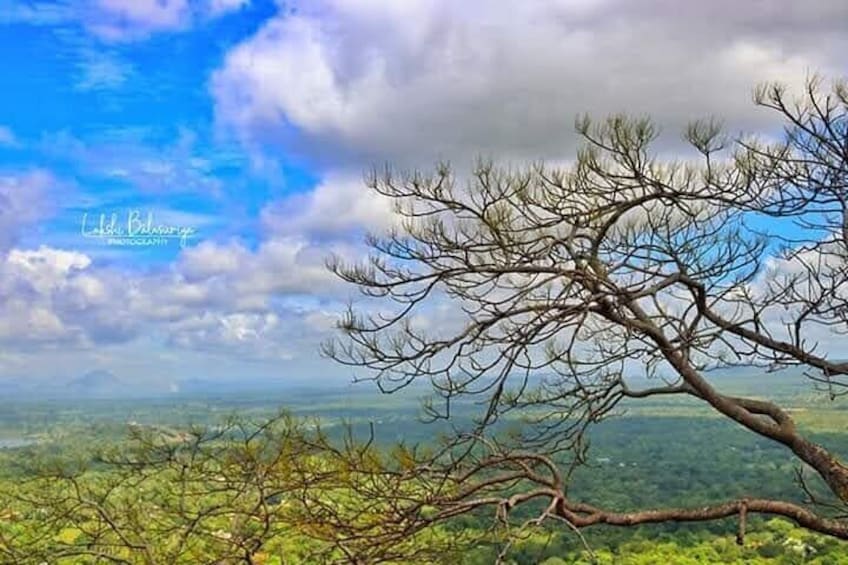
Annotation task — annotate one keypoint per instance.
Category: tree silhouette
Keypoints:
(566, 286)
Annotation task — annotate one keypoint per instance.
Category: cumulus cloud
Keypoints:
(278, 264)
(208, 259)
(27, 281)
(220, 298)
(45, 269)
(338, 205)
(24, 201)
(226, 297)
(251, 335)
(360, 81)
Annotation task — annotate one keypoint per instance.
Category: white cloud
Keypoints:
(337, 205)
(129, 19)
(223, 299)
(221, 7)
(118, 20)
(100, 69)
(45, 269)
(134, 157)
(34, 13)
(283, 265)
(7, 137)
(28, 280)
(279, 265)
(361, 81)
(24, 200)
(208, 259)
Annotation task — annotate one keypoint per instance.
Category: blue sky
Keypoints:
(130, 124)
(105, 109)
(252, 121)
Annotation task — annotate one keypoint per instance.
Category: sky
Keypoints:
(242, 128)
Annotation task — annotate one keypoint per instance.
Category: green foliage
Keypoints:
(666, 452)
(236, 493)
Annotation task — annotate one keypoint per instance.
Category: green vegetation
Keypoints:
(670, 452)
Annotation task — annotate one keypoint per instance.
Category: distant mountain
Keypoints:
(101, 383)
(95, 380)
(97, 383)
